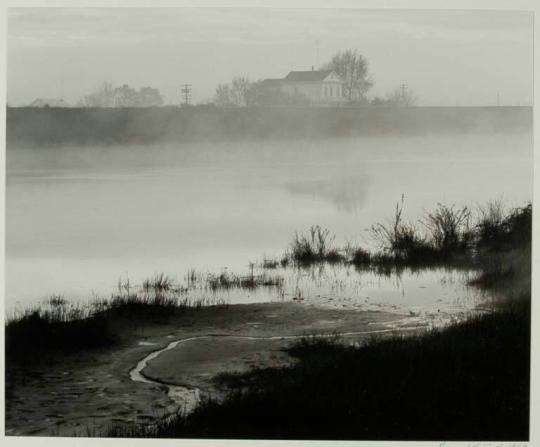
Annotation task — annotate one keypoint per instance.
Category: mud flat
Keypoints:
(84, 393)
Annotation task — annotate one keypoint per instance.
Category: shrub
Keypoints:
(401, 240)
(496, 232)
(449, 229)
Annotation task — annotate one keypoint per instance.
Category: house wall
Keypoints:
(332, 92)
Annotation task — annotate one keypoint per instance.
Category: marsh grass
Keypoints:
(269, 263)
(448, 235)
(316, 245)
(468, 381)
(158, 284)
(449, 229)
(59, 326)
(226, 280)
(31, 336)
(501, 231)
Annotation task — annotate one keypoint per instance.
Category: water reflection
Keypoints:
(347, 193)
(432, 296)
(79, 217)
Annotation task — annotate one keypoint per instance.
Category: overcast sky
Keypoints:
(445, 57)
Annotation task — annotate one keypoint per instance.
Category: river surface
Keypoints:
(80, 218)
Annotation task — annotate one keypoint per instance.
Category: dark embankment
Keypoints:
(60, 126)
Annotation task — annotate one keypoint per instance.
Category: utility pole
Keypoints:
(403, 88)
(186, 93)
(317, 52)
(61, 85)
(498, 99)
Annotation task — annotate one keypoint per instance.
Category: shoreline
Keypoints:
(84, 384)
(90, 390)
(183, 385)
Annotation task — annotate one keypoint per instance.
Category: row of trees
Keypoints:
(106, 95)
(397, 97)
(241, 92)
(349, 65)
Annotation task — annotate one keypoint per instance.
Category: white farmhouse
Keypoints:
(321, 87)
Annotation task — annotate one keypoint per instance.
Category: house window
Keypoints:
(325, 91)
(330, 91)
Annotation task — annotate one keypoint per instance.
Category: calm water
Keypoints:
(79, 219)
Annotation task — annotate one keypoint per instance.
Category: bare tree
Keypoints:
(352, 67)
(235, 94)
(150, 97)
(401, 97)
(222, 98)
(102, 96)
(125, 96)
(241, 92)
(261, 94)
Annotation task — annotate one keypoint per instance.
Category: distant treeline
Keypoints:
(103, 126)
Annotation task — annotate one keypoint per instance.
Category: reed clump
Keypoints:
(60, 326)
(448, 235)
(316, 245)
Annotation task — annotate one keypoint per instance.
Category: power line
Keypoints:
(186, 93)
(403, 88)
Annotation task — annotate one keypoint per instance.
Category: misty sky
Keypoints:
(445, 57)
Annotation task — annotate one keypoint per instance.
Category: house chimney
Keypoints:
(312, 68)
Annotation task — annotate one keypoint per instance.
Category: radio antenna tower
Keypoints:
(186, 93)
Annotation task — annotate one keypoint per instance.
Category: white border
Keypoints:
(528, 5)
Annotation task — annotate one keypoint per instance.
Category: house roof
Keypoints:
(311, 75)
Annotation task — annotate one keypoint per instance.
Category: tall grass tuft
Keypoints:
(499, 230)
(159, 283)
(451, 235)
(400, 241)
(449, 229)
(317, 245)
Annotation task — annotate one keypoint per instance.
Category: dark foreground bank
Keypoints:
(468, 382)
